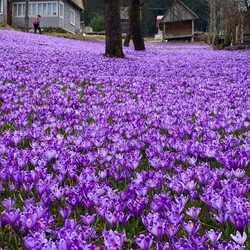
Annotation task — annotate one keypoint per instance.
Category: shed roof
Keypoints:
(82, 4)
(178, 11)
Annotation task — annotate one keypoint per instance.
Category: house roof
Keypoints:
(178, 11)
(82, 4)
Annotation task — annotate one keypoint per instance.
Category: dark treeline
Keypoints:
(150, 9)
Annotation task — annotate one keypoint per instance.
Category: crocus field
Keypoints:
(147, 152)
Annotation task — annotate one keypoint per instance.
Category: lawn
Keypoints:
(147, 152)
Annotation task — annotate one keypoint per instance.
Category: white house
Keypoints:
(63, 14)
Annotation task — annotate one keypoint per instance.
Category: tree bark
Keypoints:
(127, 39)
(128, 35)
(113, 29)
(26, 18)
(135, 22)
(247, 4)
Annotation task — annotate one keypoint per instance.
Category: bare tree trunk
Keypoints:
(113, 29)
(247, 4)
(135, 22)
(127, 39)
(26, 18)
(128, 35)
(212, 22)
(214, 25)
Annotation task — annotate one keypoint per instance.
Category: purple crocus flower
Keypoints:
(70, 224)
(29, 202)
(239, 220)
(160, 246)
(193, 212)
(18, 177)
(239, 173)
(37, 240)
(123, 217)
(9, 203)
(103, 174)
(88, 219)
(157, 228)
(62, 244)
(2, 149)
(65, 212)
(87, 232)
(87, 203)
(50, 154)
(28, 220)
(174, 217)
(238, 238)
(59, 192)
(111, 217)
(198, 240)
(182, 201)
(11, 216)
(172, 229)
(217, 202)
(29, 242)
(16, 139)
(28, 186)
(1, 187)
(113, 239)
(101, 211)
(229, 245)
(214, 236)
(191, 228)
(221, 217)
(144, 242)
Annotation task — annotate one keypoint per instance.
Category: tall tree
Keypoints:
(113, 29)
(226, 21)
(247, 4)
(135, 25)
(26, 18)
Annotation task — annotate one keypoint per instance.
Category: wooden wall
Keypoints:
(180, 28)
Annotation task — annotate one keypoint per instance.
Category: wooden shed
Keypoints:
(178, 22)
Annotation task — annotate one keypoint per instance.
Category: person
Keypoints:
(36, 23)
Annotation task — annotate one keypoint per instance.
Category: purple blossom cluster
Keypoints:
(147, 152)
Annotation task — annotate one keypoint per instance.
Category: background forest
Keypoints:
(150, 9)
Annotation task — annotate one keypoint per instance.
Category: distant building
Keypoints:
(124, 13)
(178, 22)
(158, 22)
(63, 14)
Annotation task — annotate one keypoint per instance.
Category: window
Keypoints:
(72, 17)
(14, 9)
(49, 7)
(33, 9)
(20, 9)
(1, 6)
(54, 9)
(44, 9)
(41, 8)
(61, 10)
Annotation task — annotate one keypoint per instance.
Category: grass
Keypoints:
(6, 27)
(82, 37)
(91, 38)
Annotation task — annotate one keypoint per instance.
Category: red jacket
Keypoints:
(36, 21)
